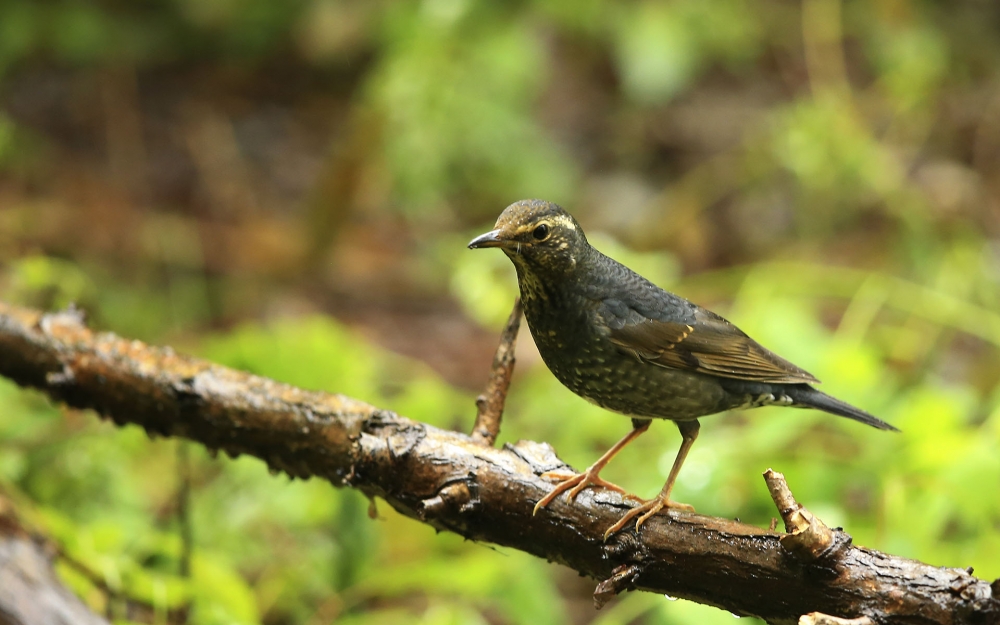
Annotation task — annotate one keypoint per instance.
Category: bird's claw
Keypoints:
(574, 483)
(645, 510)
(582, 481)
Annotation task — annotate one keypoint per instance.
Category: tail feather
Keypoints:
(805, 395)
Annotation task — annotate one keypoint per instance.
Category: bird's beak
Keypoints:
(490, 239)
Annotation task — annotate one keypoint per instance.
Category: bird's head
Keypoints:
(537, 236)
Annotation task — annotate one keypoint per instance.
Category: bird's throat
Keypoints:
(533, 289)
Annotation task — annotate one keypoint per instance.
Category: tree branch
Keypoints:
(447, 480)
(489, 405)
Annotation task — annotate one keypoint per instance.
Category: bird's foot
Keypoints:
(645, 510)
(574, 483)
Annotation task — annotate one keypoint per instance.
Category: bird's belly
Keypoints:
(581, 356)
(621, 383)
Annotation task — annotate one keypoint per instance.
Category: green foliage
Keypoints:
(47, 282)
(656, 53)
(456, 89)
(18, 22)
(823, 145)
(663, 46)
(318, 353)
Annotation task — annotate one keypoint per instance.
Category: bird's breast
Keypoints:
(573, 339)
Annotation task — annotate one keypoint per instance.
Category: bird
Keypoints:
(621, 342)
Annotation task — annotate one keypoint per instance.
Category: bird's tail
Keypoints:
(805, 395)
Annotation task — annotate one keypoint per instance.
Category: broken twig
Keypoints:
(490, 403)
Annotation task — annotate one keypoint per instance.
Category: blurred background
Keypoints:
(288, 188)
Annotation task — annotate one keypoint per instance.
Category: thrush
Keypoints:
(621, 342)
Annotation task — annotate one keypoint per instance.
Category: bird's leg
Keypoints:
(578, 481)
(689, 432)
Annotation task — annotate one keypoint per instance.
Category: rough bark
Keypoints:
(449, 481)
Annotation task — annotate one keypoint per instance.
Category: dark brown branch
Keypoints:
(447, 480)
(489, 405)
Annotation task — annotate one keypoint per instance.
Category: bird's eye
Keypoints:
(541, 232)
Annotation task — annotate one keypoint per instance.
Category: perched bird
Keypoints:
(621, 342)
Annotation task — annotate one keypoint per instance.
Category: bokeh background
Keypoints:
(287, 187)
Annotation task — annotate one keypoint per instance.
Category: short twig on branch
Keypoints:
(807, 536)
(489, 405)
(450, 481)
(815, 618)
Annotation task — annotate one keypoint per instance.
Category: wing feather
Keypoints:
(709, 344)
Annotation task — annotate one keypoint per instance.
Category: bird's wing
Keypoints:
(709, 344)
